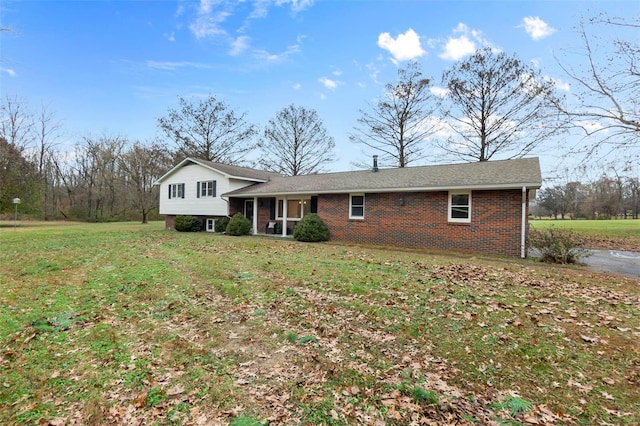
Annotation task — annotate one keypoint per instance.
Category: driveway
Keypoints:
(619, 262)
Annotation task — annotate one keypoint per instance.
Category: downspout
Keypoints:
(255, 215)
(284, 216)
(226, 200)
(523, 234)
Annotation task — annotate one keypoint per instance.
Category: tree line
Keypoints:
(489, 105)
(607, 197)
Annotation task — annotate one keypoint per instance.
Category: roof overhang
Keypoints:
(250, 194)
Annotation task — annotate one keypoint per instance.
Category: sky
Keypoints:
(115, 67)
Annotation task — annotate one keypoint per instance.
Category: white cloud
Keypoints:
(404, 47)
(328, 83)
(458, 48)
(297, 86)
(277, 57)
(536, 27)
(209, 25)
(440, 92)
(9, 71)
(560, 85)
(465, 44)
(296, 5)
(239, 45)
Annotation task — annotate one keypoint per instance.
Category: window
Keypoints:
(176, 190)
(296, 209)
(460, 207)
(356, 207)
(206, 189)
(211, 225)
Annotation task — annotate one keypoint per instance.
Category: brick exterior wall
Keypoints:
(422, 221)
(419, 221)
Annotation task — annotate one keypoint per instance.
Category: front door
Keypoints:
(248, 209)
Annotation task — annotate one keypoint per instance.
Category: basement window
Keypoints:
(460, 207)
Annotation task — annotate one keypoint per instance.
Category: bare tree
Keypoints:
(46, 130)
(497, 105)
(296, 142)
(608, 82)
(209, 130)
(142, 164)
(399, 124)
(16, 122)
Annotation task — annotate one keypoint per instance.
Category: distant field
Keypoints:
(605, 234)
(123, 324)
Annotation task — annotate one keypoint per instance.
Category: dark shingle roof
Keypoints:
(237, 172)
(501, 174)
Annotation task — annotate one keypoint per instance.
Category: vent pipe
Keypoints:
(375, 163)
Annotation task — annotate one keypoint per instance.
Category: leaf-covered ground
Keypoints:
(114, 325)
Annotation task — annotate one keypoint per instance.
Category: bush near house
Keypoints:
(557, 245)
(311, 229)
(239, 225)
(221, 224)
(187, 224)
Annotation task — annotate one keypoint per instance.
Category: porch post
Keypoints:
(255, 215)
(284, 216)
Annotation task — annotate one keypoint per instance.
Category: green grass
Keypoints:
(620, 228)
(104, 323)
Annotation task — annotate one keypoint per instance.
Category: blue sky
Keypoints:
(114, 67)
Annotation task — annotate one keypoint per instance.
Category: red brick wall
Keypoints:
(421, 221)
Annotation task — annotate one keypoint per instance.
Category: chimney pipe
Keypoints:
(375, 163)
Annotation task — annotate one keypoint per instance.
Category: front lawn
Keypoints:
(132, 324)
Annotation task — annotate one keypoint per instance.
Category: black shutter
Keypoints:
(272, 209)
(170, 191)
(182, 190)
(198, 190)
(214, 188)
(314, 204)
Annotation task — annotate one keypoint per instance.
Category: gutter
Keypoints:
(523, 233)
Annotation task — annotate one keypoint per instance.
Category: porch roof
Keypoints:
(502, 174)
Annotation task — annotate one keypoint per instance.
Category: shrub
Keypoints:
(221, 224)
(311, 229)
(239, 225)
(557, 245)
(187, 224)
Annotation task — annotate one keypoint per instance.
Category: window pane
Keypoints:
(460, 200)
(357, 211)
(357, 200)
(459, 212)
(294, 207)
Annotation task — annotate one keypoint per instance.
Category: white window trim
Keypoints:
(213, 225)
(449, 207)
(351, 216)
(204, 187)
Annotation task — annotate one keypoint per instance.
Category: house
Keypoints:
(474, 207)
(195, 187)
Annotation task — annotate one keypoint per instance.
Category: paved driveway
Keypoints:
(620, 262)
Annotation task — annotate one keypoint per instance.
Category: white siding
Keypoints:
(190, 175)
